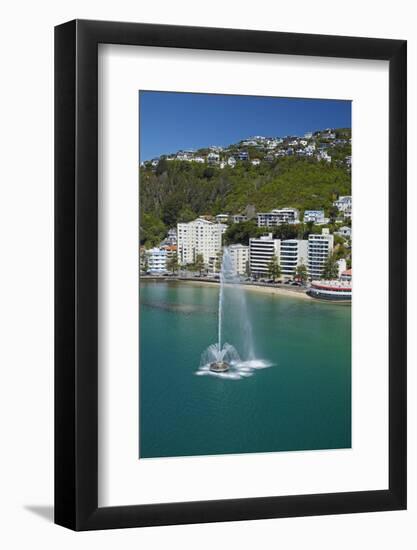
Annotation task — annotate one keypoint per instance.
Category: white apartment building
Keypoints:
(261, 252)
(293, 253)
(277, 216)
(156, 260)
(315, 216)
(240, 257)
(199, 237)
(319, 249)
(344, 203)
(213, 158)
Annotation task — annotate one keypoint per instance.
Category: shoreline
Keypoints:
(263, 289)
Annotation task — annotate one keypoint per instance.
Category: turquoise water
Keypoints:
(301, 402)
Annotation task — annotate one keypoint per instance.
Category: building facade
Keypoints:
(315, 216)
(278, 216)
(199, 237)
(344, 203)
(293, 252)
(261, 251)
(156, 260)
(240, 257)
(319, 249)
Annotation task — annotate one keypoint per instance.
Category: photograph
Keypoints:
(245, 214)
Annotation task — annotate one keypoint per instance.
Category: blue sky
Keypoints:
(170, 121)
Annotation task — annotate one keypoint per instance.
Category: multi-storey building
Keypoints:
(171, 251)
(199, 237)
(344, 203)
(277, 216)
(315, 216)
(293, 252)
(319, 249)
(156, 260)
(261, 251)
(240, 257)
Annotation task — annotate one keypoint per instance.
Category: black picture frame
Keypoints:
(76, 272)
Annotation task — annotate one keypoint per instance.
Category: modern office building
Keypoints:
(156, 260)
(240, 257)
(199, 237)
(278, 216)
(319, 249)
(261, 252)
(293, 253)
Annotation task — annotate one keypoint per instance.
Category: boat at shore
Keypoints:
(335, 291)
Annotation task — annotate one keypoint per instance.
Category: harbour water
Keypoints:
(301, 402)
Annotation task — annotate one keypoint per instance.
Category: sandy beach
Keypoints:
(263, 289)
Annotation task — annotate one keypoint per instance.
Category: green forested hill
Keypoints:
(180, 191)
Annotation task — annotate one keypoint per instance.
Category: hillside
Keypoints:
(174, 191)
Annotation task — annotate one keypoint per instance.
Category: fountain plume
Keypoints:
(222, 359)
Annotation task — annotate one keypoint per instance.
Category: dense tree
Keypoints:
(152, 230)
(171, 209)
(240, 233)
(180, 191)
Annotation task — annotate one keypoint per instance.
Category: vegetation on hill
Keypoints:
(178, 191)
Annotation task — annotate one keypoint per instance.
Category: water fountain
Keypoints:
(222, 359)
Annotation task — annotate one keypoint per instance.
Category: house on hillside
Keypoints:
(315, 216)
(213, 158)
(243, 155)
